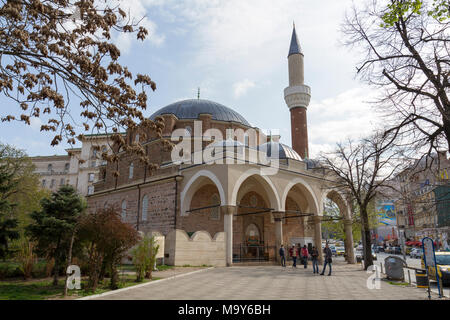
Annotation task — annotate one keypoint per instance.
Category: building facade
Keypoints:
(80, 168)
(225, 187)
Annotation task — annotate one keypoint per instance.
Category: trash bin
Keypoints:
(421, 279)
(394, 268)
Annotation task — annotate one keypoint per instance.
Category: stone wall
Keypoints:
(161, 205)
(200, 249)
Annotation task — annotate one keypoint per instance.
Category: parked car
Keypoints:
(443, 266)
(396, 250)
(380, 249)
(359, 254)
(416, 253)
(340, 251)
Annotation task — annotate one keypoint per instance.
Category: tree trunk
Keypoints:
(114, 274)
(69, 262)
(367, 243)
(56, 266)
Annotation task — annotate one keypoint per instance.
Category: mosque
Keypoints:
(238, 195)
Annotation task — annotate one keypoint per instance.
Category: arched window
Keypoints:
(144, 208)
(124, 209)
(215, 212)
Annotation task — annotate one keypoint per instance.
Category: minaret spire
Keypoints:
(294, 46)
(297, 97)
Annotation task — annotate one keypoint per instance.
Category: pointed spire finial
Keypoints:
(294, 46)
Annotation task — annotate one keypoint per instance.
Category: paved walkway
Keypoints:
(270, 282)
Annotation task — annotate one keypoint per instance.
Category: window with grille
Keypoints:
(144, 208)
(124, 210)
(215, 212)
(130, 173)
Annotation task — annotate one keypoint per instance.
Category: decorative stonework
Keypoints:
(297, 96)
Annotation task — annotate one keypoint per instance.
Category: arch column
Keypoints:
(318, 236)
(228, 212)
(278, 217)
(349, 241)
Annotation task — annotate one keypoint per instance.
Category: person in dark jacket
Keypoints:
(327, 259)
(315, 259)
(305, 255)
(283, 256)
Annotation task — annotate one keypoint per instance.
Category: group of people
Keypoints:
(304, 255)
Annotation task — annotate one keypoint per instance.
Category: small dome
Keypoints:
(284, 152)
(192, 108)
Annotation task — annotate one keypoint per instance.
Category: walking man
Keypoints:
(293, 252)
(315, 259)
(283, 256)
(327, 259)
(305, 255)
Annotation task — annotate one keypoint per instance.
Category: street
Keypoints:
(348, 282)
(414, 263)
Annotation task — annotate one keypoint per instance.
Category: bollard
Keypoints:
(409, 277)
(381, 265)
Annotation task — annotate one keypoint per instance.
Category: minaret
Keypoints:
(297, 97)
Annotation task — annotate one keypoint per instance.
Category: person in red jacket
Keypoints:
(305, 254)
(293, 253)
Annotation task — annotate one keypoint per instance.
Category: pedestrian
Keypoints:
(315, 259)
(293, 253)
(283, 256)
(327, 259)
(305, 255)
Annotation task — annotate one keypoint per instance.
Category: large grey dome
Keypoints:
(191, 108)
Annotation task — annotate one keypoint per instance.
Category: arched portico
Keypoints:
(346, 214)
(302, 211)
(201, 178)
(255, 197)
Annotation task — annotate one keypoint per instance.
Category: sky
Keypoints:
(236, 52)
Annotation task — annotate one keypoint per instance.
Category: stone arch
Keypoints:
(265, 182)
(194, 183)
(339, 199)
(308, 192)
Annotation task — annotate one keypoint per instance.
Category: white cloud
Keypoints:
(335, 119)
(240, 88)
(136, 10)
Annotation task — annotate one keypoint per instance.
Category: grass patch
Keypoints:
(164, 267)
(43, 289)
(189, 266)
(398, 283)
(29, 290)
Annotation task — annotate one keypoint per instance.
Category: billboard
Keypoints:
(386, 213)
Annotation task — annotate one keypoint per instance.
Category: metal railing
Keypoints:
(247, 253)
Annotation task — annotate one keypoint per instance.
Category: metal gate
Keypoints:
(247, 253)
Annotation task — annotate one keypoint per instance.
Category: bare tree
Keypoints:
(405, 50)
(57, 52)
(360, 170)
